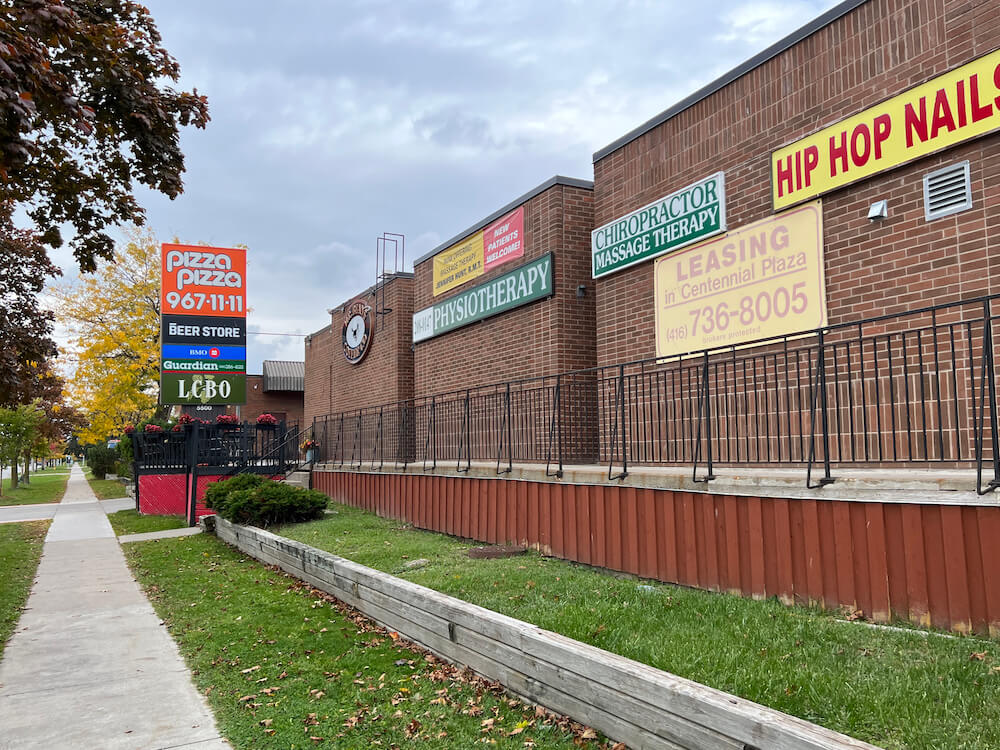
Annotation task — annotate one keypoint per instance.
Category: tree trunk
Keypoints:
(27, 465)
(13, 474)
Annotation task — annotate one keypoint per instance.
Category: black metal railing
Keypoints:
(917, 388)
(218, 450)
(237, 447)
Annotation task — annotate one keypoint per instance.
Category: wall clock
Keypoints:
(358, 330)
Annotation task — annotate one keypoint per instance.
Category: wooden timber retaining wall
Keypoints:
(932, 564)
(628, 701)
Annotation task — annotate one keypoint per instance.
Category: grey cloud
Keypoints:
(336, 121)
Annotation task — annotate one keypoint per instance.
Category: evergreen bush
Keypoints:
(102, 460)
(252, 500)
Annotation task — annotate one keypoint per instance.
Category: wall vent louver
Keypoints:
(947, 191)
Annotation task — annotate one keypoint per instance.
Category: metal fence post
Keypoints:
(465, 438)
(556, 425)
(191, 475)
(988, 385)
(619, 427)
(704, 418)
(430, 442)
(820, 393)
(505, 436)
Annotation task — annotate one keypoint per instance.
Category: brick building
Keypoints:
(789, 269)
(384, 375)
(540, 338)
(853, 58)
(279, 391)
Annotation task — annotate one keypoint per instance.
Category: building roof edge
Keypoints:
(551, 182)
(739, 71)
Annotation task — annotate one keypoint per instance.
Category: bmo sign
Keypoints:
(203, 332)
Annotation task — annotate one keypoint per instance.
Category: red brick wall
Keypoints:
(542, 338)
(260, 402)
(385, 375)
(876, 51)
(319, 374)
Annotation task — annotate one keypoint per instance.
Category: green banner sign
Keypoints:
(527, 283)
(202, 388)
(682, 218)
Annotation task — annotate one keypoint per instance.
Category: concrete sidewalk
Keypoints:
(89, 665)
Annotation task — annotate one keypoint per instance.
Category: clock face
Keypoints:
(357, 332)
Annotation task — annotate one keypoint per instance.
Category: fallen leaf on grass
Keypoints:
(412, 728)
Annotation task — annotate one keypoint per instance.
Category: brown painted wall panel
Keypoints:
(925, 563)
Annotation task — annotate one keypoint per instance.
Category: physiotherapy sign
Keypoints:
(500, 242)
(524, 284)
(203, 325)
(759, 281)
(691, 214)
(935, 115)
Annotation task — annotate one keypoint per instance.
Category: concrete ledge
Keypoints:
(628, 701)
(919, 486)
(165, 534)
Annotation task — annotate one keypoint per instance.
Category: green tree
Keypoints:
(60, 419)
(25, 328)
(86, 112)
(114, 319)
(18, 429)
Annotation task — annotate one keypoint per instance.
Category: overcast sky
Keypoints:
(333, 122)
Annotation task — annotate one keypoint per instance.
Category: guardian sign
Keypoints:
(691, 214)
(203, 332)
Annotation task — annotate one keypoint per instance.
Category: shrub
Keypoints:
(252, 500)
(102, 460)
(124, 468)
(217, 492)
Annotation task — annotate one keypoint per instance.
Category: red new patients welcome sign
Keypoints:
(503, 240)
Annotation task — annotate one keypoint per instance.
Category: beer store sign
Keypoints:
(690, 215)
(203, 332)
(525, 284)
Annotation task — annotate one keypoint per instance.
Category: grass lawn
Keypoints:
(895, 689)
(46, 486)
(132, 522)
(20, 548)
(105, 489)
(284, 666)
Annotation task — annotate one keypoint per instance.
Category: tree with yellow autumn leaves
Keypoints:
(113, 318)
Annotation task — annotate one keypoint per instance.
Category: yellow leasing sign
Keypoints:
(759, 281)
(458, 264)
(949, 109)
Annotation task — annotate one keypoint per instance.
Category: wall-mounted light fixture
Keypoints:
(878, 210)
(581, 291)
